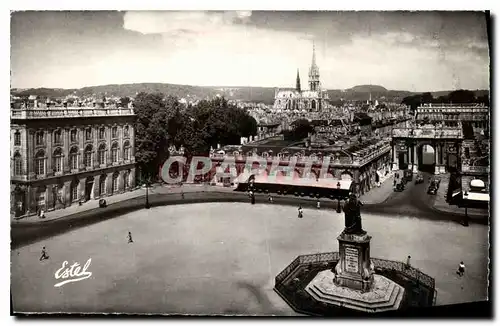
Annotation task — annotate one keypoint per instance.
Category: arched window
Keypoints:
(126, 177)
(88, 134)
(73, 135)
(73, 158)
(57, 159)
(17, 138)
(87, 158)
(18, 164)
(39, 138)
(114, 153)
(126, 151)
(114, 132)
(57, 136)
(40, 163)
(102, 133)
(115, 181)
(126, 131)
(102, 185)
(313, 104)
(101, 154)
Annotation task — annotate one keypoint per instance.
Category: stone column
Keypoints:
(109, 184)
(132, 178)
(30, 152)
(96, 186)
(395, 166)
(48, 153)
(66, 141)
(31, 200)
(108, 145)
(67, 193)
(436, 158)
(81, 188)
(95, 135)
(132, 143)
(49, 197)
(415, 159)
(121, 183)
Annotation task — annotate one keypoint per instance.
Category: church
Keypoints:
(313, 100)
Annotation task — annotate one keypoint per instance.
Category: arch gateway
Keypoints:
(408, 143)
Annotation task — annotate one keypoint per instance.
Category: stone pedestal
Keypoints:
(354, 269)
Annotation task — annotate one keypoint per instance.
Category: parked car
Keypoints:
(419, 179)
(408, 175)
(399, 187)
(433, 187)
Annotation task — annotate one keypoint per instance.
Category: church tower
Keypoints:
(297, 85)
(314, 84)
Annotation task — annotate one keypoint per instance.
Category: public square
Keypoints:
(221, 258)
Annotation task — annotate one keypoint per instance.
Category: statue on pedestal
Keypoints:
(352, 210)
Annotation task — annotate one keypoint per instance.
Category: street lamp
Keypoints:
(338, 194)
(147, 205)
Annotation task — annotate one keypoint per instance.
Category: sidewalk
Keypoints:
(380, 194)
(141, 192)
(440, 203)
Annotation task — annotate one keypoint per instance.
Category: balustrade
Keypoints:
(67, 112)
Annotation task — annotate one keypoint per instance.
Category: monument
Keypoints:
(353, 283)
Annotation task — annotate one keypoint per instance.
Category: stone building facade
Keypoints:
(63, 155)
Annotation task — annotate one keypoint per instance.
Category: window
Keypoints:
(102, 133)
(73, 135)
(17, 138)
(126, 131)
(57, 158)
(114, 153)
(88, 134)
(101, 154)
(73, 158)
(39, 138)
(114, 132)
(115, 182)
(87, 158)
(102, 185)
(126, 151)
(57, 137)
(74, 191)
(18, 167)
(40, 163)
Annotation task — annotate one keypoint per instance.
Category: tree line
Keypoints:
(162, 121)
(457, 97)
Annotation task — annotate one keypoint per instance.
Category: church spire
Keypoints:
(297, 85)
(314, 84)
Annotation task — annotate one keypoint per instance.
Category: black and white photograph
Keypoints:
(250, 163)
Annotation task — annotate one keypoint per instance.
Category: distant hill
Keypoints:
(247, 94)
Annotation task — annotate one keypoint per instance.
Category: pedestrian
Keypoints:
(42, 213)
(252, 198)
(461, 269)
(408, 262)
(44, 254)
(270, 198)
(318, 205)
(300, 212)
(182, 194)
(130, 237)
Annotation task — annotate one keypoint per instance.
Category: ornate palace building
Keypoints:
(313, 100)
(63, 155)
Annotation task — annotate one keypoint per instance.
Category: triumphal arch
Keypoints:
(408, 143)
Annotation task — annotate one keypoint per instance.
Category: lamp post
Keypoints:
(147, 205)
(338, 194)
(466, 197)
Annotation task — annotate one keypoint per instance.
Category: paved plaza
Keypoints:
(221, 258)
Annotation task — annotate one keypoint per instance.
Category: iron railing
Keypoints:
(408, 271)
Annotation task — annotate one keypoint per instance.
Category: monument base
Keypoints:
(354, 269)
(385, 294)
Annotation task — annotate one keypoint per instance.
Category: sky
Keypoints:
(415, 51)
